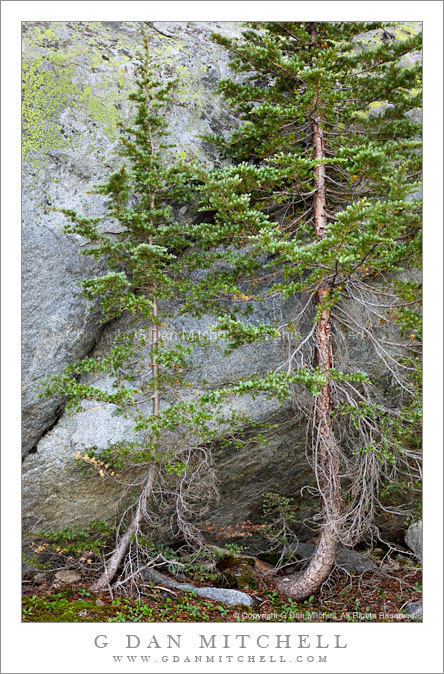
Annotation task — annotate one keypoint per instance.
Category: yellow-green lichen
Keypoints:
(44, 96)
(400, 31)
(404, 30)
(95, 60)
(77, 69)
(51, 85)
(104, 113)
(360, 114)
(189, 89)
(40, 36)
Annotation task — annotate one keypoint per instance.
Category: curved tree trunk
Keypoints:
(326, 454)
(124, 542)
(122, 546)
(326, 457)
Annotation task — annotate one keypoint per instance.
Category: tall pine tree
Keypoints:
(321, 203)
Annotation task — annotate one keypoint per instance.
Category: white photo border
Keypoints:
(31, 647)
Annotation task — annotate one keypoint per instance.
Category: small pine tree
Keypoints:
(143, 273)
(321, 204)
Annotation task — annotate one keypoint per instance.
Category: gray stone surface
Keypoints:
(244, 475)
(414, 609)
(57, 326)
(55, 493)
(351, 560)
(414, 539)
(345, 558)
(39, 578)
(228, 597)
(67, 576)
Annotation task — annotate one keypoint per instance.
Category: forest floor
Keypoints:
(374, 596)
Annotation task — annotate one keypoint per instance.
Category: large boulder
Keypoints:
(77, 76)
(277, 464)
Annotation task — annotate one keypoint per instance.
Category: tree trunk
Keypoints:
(326, 455)
(124, 542)
(122, 546)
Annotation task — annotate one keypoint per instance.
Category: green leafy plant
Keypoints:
(70, 546)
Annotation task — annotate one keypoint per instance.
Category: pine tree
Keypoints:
(144, 272)
(321, 203)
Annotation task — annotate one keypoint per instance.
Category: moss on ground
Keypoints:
(369, 597)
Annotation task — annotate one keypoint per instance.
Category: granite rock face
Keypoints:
(77, 76)
(57, 325)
